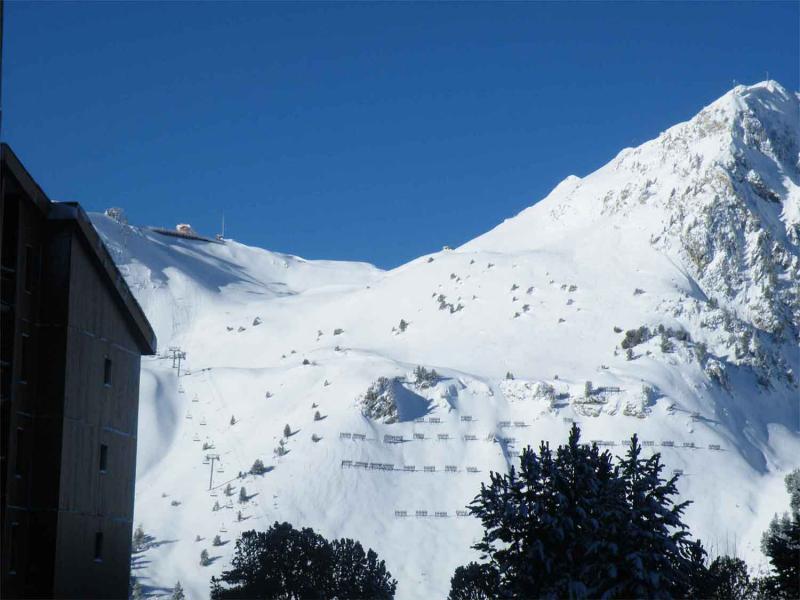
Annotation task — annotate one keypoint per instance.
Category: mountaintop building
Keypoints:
(70, 351)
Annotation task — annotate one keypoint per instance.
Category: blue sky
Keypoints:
(374, 132)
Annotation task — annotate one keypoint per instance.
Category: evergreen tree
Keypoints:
(284, 562)
(781, 544)
(658, 556)
(474, 582)
(243, 495)
(258, 467)
(204, 559)
(217, 541)
(355, 574)
(729, 580)
(229, 490)
(317, 416)
(216, 506)
(137, 593)
(572, 524)
(233, 420)
(287, 431)
(177, 592)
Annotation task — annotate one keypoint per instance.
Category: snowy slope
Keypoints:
(693, 237)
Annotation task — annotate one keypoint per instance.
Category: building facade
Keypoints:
(70, 350)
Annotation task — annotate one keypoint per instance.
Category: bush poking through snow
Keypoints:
(424, 378)
(666, 344)
(403, 325)
(258, 467)
(509, 375)
(216, 506)
(378, 402)
(137, 593)
(701, 352)
(280, 449)
(315, 438)
(634, 337)
(139, 538)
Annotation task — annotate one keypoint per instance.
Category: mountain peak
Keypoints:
(656, 295)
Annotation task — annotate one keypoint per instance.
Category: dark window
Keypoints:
(107, 372)
(13, 551)
(31, 268)
(25, 359)
(103, 458)
(19, 466)
(98, 545)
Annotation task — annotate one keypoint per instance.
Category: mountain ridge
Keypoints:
(654, 295)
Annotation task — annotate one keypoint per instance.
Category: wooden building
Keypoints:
(70, 350)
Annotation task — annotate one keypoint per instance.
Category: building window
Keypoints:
(107, 372)
(25, 358)
(13, 551)
(19, 465)
(103, 458)
(30, 268)
(98, 546)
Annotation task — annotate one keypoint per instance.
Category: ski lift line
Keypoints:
(236, 450)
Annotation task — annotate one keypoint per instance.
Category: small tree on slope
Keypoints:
(177, 592)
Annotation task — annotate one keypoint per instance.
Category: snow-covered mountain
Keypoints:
(658, 295)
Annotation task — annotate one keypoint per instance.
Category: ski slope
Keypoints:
(696, 231)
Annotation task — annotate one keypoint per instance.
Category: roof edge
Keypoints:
(72, 211)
